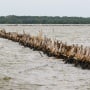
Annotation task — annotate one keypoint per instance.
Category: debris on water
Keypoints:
(41, 54)
(6, 78)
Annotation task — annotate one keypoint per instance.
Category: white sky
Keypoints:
(45, 7)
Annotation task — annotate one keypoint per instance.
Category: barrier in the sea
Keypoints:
(74, 54)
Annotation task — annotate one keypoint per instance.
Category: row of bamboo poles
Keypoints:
(74, 54)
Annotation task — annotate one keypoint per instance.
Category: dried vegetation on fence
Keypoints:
(74, 54)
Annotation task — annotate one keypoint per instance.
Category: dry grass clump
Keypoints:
(74, 54)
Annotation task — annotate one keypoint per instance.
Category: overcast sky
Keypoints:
(45, 7)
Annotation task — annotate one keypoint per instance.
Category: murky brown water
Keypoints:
(24, 69)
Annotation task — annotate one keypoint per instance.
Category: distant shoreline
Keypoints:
(44, 24)
(12, 19)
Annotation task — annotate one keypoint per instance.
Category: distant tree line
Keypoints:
(12, 19)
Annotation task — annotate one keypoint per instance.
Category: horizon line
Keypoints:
(44, 16)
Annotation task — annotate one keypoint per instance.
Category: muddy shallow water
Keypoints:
(24, 69)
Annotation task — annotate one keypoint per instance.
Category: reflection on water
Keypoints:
(24, 69)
